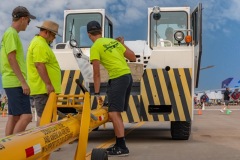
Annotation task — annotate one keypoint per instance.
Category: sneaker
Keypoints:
(118, 151)
(111, 148)
(221, 110)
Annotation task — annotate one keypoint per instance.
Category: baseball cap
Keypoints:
(93, 26)
(21, 11)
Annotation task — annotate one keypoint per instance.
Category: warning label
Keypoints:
(55, 136)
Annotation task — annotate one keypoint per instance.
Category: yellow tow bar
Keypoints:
(39, 142)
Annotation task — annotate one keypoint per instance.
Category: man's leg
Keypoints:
(19, 106)
(40, 102)
(227, 106)
(119, 149)
(22, 123)
(118, 92)
(223, 107)
(12, 120)
(117, 123)
(38, 121)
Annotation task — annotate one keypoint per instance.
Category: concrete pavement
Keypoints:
(215, 135)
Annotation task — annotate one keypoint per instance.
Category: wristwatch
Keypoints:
(97, 94)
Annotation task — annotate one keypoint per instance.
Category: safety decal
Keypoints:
(55, 136)
(33, 150)
(101, 118)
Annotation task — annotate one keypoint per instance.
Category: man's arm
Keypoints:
(129, 54)
(41, 68)
(96, 75)
(16, 69)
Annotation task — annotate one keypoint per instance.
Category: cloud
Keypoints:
(232, 11)
(125, 13)
(43, 10)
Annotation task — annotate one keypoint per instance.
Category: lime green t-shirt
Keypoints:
(110, 53)
(11, 42)
(39, 51)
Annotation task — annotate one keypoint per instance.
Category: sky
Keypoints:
(221, 21)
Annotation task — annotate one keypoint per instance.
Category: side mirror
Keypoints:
(73, 43)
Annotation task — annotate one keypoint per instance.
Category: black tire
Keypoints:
(99, 154)
(181, 130)
(96, 129)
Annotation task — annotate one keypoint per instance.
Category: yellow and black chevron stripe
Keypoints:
(161, 87)
(69, 86)
(158, 87)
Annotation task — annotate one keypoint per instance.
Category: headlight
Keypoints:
(179, 36)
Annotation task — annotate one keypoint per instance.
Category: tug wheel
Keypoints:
(96, 129)
(180, 130)
(99, 154)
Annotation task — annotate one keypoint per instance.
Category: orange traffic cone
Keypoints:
(199, 111)
(3, 113)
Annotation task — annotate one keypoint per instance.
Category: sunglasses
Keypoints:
(29, 20)
(53, 34)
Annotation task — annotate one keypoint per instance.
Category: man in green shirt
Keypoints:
(111, 54)
(13, 69)
(44, 74)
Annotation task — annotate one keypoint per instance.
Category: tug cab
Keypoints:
(165, 73)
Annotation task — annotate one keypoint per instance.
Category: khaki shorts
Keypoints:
(40, 103)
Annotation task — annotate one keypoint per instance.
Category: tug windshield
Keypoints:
(162, 30)
(76, 27)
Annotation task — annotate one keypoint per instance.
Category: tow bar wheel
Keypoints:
(99, 154)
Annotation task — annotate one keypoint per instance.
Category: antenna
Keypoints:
(71, 31)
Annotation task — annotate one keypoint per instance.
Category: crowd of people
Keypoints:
(3, 102)
(228, 98)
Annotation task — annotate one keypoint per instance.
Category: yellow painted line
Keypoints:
(65, 80)
(164, 91)
(133, 109)
(186, 89)
(111, 141)
(74, 85)
(145, 98)
(176, 96)
(124, 116)
(153, 88)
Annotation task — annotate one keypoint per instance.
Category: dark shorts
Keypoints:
(18, 103)
(118, 93)
(40, 103)
(226, 102)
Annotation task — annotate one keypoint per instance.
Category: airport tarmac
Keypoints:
(215, 135)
